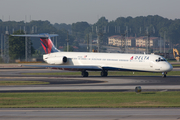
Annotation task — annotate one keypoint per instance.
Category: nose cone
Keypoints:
(169, 67)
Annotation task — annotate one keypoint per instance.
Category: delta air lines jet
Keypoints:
(104, 62)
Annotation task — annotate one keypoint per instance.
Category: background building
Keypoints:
(117, 40)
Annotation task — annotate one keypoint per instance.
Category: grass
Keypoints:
(90, 100)
(7, 83)
(176, 65)
(110, 73)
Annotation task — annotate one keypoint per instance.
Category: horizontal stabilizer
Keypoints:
(43, 35)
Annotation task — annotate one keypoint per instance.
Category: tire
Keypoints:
(104, 74)
(164, 76)
(85, 74)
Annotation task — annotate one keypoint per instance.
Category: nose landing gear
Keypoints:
(164, 74)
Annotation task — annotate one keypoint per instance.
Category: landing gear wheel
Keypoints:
(164, 74)
(104, 74)
(85, 74)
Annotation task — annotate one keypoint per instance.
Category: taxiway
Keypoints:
(91, 83)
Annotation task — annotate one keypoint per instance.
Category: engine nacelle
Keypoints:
(57, 60)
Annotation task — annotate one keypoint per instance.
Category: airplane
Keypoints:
(104, 62)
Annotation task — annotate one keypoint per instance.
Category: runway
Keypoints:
(83, 84)
(90, 113)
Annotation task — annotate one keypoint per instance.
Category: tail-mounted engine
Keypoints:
(57, 60)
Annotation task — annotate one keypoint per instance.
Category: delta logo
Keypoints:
(131, 58)
(139, 58)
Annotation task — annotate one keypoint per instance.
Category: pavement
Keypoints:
(90, 113)
(90, 84)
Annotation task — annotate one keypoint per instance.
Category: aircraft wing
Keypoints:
(82, 67)
(67, 67)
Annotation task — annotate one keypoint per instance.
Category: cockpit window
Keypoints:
(160, 59)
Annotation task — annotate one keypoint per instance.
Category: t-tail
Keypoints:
(48, 45)
(46, 41)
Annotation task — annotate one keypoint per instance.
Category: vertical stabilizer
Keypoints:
(48, 45)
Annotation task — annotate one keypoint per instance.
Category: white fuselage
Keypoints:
(116, 61)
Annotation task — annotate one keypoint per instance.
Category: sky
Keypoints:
(72, 11)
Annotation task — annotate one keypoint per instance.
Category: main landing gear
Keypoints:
(164, 74)
(104, 73)
(86, 74)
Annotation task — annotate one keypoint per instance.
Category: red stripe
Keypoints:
(47, 45)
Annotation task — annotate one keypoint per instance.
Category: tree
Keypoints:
(63, 26)
(79, 29)
(17, 46)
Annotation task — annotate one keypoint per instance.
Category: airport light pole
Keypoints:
(148, 44)
(67, 42)
(88, 42)
(6, 46)
(2, 45)
(98, 41)
(26, 45)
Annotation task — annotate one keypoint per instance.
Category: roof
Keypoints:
(142, 37)
(116, 37)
